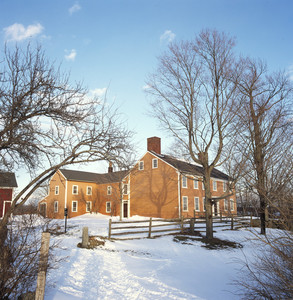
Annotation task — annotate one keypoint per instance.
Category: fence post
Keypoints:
(232, 222)
(85, 237)
(192, 225)
(221, 216)
(150, 228)
(182, 227)
(110, 223)
(250, 219)
(41, 281)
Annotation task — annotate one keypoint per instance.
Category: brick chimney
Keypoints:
(154, 144)
(110, 168)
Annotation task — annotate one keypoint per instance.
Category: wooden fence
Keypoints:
(154, 227)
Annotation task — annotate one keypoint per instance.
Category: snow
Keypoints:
(157, 268)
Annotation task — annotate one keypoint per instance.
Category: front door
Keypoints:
(125, 209)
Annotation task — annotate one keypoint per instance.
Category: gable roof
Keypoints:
(7, 179)
(189, 168)
(93, 177)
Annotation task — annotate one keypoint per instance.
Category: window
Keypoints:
(184, 181)
(125, 189)
(231, 204)
(196, 203)
(214, 185)
(195, 183)
(55, 206)
(185, 203)
(225, 204)
(88, 190)
(224, 186)
(202, 185)
(141, 165)
(57, 190)
(204, 203)
(74, 206)
(155, 163)
(109, 190)
(74, 189)
(108, 207)
(88, 206)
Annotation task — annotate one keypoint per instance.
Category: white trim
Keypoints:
(198, 204)
(139, 162)
(232, 201)
(86, 207)
(74, 201)
(215, 185)
(155, 159)
(184, 198)
(3, 208)
(109, 190)
(195, 179)
(56, 189)
(108, 211)
(91, 190)
(184, 186)
(75, 185)
(226, 204)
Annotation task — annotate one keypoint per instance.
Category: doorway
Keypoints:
(125, 209)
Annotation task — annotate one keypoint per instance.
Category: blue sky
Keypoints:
(115, 43)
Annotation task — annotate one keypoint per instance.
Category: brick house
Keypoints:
(157, 186)
(7, 185)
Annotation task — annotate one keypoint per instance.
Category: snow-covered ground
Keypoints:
(158, 268)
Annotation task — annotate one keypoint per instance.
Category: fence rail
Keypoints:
(151, 227)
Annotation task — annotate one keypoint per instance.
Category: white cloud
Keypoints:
(99, 92)
(76, 7)
(146, 87)
(71, 56)
(167, 36)
(17, 32)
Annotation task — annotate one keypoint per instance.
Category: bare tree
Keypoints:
(264, 126)
(194, 91)
(47, 123)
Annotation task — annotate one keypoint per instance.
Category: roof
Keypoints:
(93, 177)
(7, 179)
(189, 168)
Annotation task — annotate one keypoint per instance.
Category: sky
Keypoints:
(115, 44)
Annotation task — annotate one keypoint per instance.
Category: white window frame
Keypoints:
(214, 185)
(76, 206)
(108, 203)
(224, 186)
(141, 165)
(89, 190)
(184, 199)
(184, 181)
(155, 163)
(109, 190)
(226, 204)
(73, 193)
(125, 188)
(56, 206)
(57, 190)
(196, 203)
(88, 209)
(232, 204)
(195, 183)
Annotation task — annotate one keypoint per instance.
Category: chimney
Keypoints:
(110, 168)
(154, 144)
